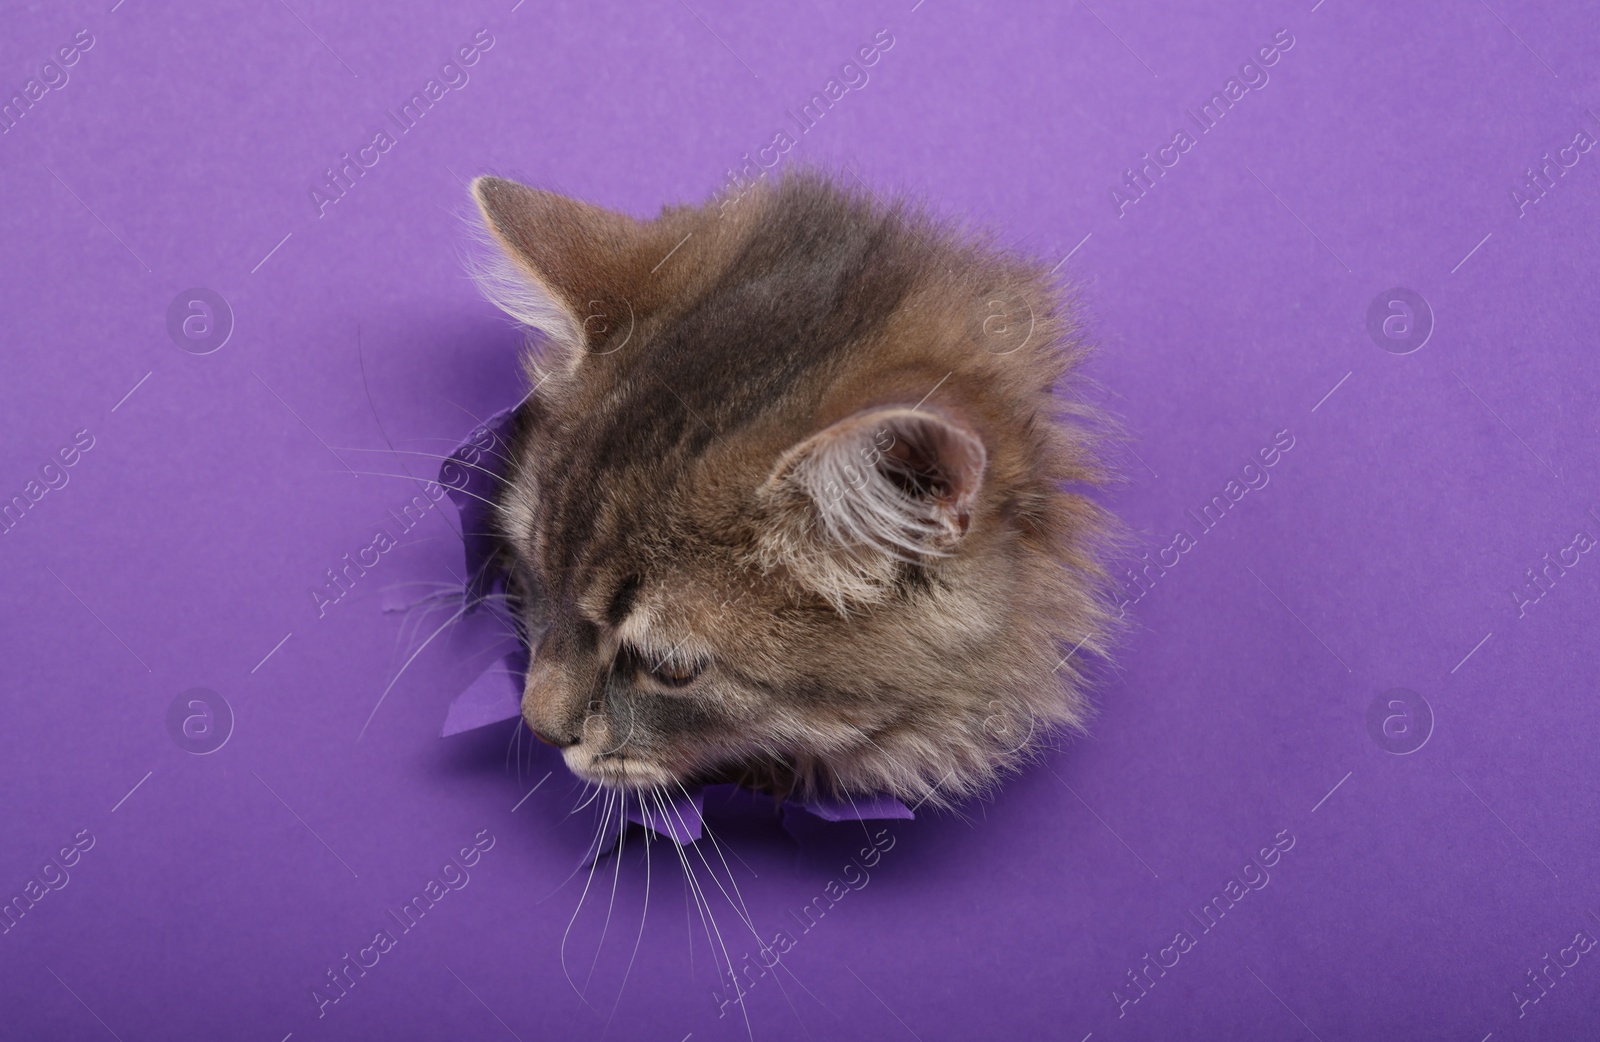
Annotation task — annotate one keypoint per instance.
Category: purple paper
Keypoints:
(494, 697)
(862, 808)
(680, 820)
(1339, 260)
(473, 475)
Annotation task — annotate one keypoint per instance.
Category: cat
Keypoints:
(798, 499)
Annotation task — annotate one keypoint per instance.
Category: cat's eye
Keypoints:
(672, 671)
(676, 674)
(666, 670)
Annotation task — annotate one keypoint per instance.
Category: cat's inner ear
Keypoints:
(563, 267)
(896, 483)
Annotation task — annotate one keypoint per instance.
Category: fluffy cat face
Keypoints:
(786, 506)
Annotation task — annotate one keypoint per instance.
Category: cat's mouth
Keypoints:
(616, 770)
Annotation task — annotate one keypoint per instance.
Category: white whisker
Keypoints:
(430, 455)
(707, 916)
(616, 874)
(407, 666)
(642, 917)
(432, 583)
(408, 477)
(688, 927)
(605, 820)
(737, 906)
(864, 830)
(741, 906)
(598, 789)
(808, 991)
(516, 733)
(452, 441)
(739, 909)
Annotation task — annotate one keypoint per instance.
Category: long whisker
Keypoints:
(429, 455)
(605, 821)
(616, 874)
(692, 887)
(688, 927)
(741, 908)
(453, 441)
(581, 866)
(407, 666)
(496, 650)
(780, 964)
(522, 742)
(598, 789)
(451, 594)
(516, 733)
(700, 904)
(414, 616)
(642, 917)
(434, 584)
(739, 905)
(481, 421)
(864, 830)
(708, 915)
(408, 477)
(746, 909)
(749, 924)
(706, 827)
(444, 594)
(361, 359)
(785, 993)
(504, 599)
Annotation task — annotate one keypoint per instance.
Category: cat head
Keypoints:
(791, 502)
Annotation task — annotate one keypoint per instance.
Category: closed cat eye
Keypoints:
(677, 674)
(668, 671)
(673, 672)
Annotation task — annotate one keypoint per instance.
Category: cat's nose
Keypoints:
(563, 742)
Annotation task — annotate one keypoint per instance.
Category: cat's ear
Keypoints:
(563, 267)
(891, 484)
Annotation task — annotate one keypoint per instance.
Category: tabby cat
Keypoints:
(797, 499)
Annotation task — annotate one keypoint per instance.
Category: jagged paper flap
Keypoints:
(472, 478)
(857, 808)
(494, 696)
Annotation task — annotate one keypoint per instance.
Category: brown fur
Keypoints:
(663, 508)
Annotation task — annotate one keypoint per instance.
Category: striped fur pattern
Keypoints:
(799, 499)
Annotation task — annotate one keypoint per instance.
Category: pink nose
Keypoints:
(547, 740)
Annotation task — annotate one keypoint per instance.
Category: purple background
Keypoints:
(1230, 301)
